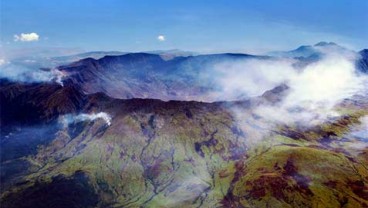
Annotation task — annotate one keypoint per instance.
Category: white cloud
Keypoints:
(250, 78)
(27, 74)
(69, 118)
(313, 91)
(161, 38)
(2, 61)
(26, 37)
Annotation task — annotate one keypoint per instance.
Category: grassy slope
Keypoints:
(191, 156)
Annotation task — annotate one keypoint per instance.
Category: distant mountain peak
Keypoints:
(364, 52)
(324, 43)
(362, 63)
(308, 50)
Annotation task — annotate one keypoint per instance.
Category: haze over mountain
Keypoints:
(193, 104)
(240, 130)
(166, 75)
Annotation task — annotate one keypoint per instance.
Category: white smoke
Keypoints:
(26, 74)
(69, 118)
(58, 76)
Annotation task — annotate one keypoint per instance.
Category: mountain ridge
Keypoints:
(153, 143)
(64, 142)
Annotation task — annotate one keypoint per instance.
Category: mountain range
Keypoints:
(153, 130)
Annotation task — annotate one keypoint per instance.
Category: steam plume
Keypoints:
(69, 118)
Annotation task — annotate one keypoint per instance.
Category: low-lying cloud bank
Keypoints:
(69, 118)
(314, 90)
(26, 74)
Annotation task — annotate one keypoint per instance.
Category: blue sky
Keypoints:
(195, 25)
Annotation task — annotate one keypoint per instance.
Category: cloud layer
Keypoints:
(23, 73)
(313, 92)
